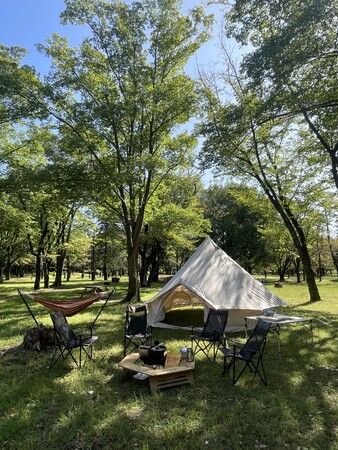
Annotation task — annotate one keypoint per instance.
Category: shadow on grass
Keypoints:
(92, 409)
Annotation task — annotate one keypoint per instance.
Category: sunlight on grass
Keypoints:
(95, 409)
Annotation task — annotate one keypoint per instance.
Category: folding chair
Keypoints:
(67, 341)
(250, 354)
(212, 335)
(136, 331)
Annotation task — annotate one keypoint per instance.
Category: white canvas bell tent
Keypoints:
(212, 279)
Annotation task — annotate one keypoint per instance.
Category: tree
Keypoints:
(12, 235)
(62, 239)
(122, 97)
(237, 218)
(19, 86)
(173, 221)
(293, 53)
(279, 157)
(110, 244)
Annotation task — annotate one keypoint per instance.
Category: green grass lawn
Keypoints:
(65, 408)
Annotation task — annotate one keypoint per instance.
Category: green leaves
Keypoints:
(294, 60)
(19, 88)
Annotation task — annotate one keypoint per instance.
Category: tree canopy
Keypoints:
(120, 98)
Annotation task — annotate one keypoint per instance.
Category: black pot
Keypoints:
(157, 355)
(153, 356)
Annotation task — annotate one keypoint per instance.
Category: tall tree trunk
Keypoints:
(105, 257)
(299, 241)
(144, 265)
(37, 270)
(153, 274)
(297, 268)
(133, 293)
(59, 269)
(296, 233)
(300, 244)
(46, 264)
(328, 237)
(154, 262)
(93, 263)
(133, 233)
(284, 267)
(68, 269)
(8, 267)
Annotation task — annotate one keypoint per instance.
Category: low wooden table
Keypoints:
(160, 378)
(88, 290)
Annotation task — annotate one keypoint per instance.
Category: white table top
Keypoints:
(280, 319)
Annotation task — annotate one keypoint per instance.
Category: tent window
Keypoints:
(181, 297)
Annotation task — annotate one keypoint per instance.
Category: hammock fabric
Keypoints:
(69, 307)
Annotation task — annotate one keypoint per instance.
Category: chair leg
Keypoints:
(235, 379)
(262, 375)
(227, 367)
(216, 348)
(205, 349)
(63, 354)
(88, 352)
(55, 360)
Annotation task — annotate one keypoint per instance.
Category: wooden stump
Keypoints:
(39, 338)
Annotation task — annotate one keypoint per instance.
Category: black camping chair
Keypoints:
(136, 330)
(251, 353)
(67, 341)
(212, 335)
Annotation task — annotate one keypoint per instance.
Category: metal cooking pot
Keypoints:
(157, 355)
(153, 356)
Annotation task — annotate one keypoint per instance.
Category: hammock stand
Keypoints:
(69, 307)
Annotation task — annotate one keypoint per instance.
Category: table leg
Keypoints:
(170, 380)
(311, 331)
(278, 339)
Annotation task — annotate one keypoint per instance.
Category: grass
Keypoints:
(64, 408)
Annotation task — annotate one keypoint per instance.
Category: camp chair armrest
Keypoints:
(81, 331)
(69, 343)
(195, 335)
(234, 344)
(196, 331)
(84, 336)
(80, 337)
(237, 347)
(233, 347)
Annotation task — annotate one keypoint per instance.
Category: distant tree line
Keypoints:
(98, 161)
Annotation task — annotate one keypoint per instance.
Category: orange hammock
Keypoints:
(69, 307)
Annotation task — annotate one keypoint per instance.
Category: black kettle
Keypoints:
(157, 354)
(153, 356)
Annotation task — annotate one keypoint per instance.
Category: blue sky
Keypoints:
(25, 23)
